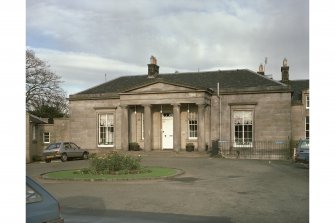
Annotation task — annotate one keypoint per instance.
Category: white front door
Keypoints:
(167, 131)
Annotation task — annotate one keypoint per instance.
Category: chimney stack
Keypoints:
(153, 68)
(284, 72)
(260, 69)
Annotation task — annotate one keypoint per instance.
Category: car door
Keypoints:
(76, 151)
(303, 150)
(67, 149)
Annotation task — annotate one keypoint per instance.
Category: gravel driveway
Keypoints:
(211, 190)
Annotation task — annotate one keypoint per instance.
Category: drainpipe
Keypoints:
(218, 91)
(135, 125)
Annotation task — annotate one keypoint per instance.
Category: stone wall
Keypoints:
(299, 113)
(83, 128)
(272, 115)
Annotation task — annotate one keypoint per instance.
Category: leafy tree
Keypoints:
(43, 91)
(46, 111)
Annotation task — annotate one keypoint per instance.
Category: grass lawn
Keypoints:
(153, 173)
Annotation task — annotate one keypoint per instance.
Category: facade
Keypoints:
(300, 109)
(33, 135)
(39, 133)
(169, 111)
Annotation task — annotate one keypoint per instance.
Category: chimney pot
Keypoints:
(285, 72)
(261, 69)
(153, 68)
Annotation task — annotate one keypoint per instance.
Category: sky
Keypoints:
(89, 42)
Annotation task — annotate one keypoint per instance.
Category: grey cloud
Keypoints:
(183, 35)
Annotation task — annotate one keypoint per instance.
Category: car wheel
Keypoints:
(64, 157)
(47, 160)
(85, 156)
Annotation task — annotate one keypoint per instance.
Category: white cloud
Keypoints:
(84, 69)
(119, 36)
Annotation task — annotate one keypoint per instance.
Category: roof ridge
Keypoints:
(300, 80)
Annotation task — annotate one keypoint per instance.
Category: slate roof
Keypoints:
(298, 86)
(36, 119)
(230, 80)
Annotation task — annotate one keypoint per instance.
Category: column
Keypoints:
(201, 127)
(124, 128)
(176, 127)
(208, 126)
(147, 127)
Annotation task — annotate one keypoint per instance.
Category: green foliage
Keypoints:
(85, 174)
(134, 146)
(47, 111)
(36, 158)
(189, 147)
(114, 163)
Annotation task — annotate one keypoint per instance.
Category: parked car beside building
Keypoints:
(41, 206)
(302, 151)
(64, 151)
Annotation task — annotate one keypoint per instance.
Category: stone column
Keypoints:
(176, 127)
(201, 127)
(124, 128)
(208, 126)
(147, 127)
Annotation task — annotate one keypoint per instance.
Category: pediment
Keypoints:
(160, 87)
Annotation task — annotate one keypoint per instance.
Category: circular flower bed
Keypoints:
(146, 173)
(113, 166)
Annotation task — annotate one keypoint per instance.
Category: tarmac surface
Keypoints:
(210, 190)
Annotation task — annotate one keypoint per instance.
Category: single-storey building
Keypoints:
(167, 111)
(39, 133)
(171, 111)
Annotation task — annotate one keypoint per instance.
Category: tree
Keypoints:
(43, 88)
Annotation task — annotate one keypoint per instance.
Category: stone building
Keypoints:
(39, 133)
(33, 135)
(168, 111)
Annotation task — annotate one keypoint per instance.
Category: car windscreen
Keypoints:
(304, 145)
(32, 196)
(53, 146)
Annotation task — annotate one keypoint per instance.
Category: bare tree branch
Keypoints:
(42, 85)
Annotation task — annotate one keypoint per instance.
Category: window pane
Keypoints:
(192, 125)
(307, 127)
(102, 121)
(102, 135)
(243, 121)
(74, 146)
(106, 129)
(46, 137)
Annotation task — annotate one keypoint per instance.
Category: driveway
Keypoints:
(211, 190)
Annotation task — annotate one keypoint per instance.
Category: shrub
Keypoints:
(92, 155)
(134, 146)
(36, 158)
(189, 147)
(113, 163)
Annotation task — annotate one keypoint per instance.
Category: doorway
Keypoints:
(167, 131)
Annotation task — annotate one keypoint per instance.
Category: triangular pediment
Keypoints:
(160, 87)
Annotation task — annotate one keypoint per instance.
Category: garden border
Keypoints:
(179, 172)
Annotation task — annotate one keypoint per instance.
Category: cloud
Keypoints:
(183, 35)
(84, 70)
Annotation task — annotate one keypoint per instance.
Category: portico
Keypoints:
(164, 117)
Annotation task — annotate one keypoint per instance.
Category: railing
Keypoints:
(273, 150)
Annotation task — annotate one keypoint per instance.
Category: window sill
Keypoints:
(104, 146)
